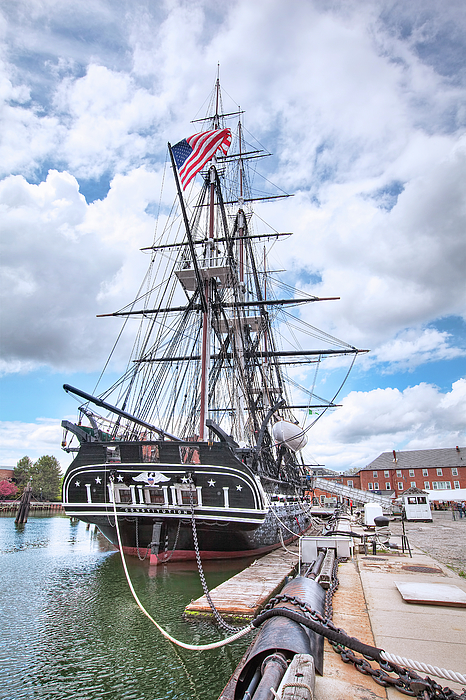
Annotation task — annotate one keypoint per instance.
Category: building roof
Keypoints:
(323, 471)
(444, 457)
(413, 490)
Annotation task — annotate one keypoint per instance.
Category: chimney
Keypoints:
(394, 456)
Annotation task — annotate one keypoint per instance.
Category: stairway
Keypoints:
(355, 495)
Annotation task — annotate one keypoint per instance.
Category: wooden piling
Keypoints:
(24, 505)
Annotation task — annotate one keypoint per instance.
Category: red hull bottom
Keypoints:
(190, 555)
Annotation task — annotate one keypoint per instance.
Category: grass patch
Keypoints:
(457, 570)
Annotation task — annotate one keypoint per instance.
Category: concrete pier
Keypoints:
(368, 605)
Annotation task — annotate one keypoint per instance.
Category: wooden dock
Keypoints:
(35, 507)
(245, 594)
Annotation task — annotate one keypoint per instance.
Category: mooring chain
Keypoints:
(137, 543)
(407, 682)
(328, 604)
(174, 544)
(205, 588)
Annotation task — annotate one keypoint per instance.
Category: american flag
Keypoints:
(193, 153)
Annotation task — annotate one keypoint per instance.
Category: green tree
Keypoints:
(22, 473)
(46, 478)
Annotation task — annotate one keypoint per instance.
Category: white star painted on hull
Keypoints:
(211, 482)
(76, 483)
(120, 478)
(185, 480)
(239, 487)
(98, 480)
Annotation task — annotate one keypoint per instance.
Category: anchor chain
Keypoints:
(205, 588)
(407, 681)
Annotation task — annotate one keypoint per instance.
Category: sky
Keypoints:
(363, 106)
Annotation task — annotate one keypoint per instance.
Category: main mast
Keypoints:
(207, 291)
(221, 360)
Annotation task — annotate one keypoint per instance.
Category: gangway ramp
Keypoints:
(355, 495)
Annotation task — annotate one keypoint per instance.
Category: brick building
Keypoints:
(391, 473)
(324, 473)
(6, 473)
(443, 468)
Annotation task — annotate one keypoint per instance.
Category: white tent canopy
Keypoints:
(447, 495)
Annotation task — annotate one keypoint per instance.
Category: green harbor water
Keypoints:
(70, 629)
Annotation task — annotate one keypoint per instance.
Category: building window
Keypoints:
(456, 484)
(439, 472)
(350, 483)
(411, 472)
(413, 483)
(400, 486)
(454, 471)
(427, 485)
(441, 485)
(376, 486)
(374, 474)
(387, 486)
(370, 486)
(386, 473)
(398, 472)
(425, 472)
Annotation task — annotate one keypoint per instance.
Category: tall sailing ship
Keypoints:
(198, 445)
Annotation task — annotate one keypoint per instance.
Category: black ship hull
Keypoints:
(201, 486)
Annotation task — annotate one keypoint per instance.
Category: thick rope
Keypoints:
(295, 554)
(164, 633)
(279, 696)
(392, 658)
(424, 668)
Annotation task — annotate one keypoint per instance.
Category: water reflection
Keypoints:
(70, 627)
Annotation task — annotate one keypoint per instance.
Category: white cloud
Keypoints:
(35, 439)
(111, 122)
(364, 108)
(394, 270)
(412, 348)
(65, 261)
(420, 417)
